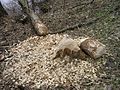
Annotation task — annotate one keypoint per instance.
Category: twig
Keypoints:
(75, 26)
(82, 4)
(88, 2)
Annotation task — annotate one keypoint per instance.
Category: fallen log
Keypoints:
(39, 27)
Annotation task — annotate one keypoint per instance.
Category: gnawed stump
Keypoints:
(68, 47)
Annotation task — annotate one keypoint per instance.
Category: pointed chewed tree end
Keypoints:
(40, 28)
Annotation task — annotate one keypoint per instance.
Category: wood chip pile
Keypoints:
(32, 64)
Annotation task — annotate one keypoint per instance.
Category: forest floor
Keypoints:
(28, 63)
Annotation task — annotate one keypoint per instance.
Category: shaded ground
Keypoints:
(24, 48)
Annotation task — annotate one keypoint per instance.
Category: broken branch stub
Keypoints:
(68, 47)
(93, 48)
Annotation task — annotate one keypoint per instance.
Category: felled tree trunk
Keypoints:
(39, 27)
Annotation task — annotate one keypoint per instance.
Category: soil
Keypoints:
(28, 63)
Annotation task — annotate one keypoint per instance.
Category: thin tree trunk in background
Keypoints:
(2, 11)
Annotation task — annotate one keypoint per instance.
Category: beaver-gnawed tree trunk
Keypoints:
(39, 27)
(2, 10)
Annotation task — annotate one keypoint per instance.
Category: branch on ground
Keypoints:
(39, 27)
(76, 25)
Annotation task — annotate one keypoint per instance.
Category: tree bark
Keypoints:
(39, 27)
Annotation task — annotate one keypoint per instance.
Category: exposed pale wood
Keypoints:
(93, 48)
(76, 25)
(39, 27)
(69, 47)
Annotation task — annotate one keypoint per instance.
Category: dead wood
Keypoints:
(39, 27)
(93, 48)
(42, 30)
(69, 47)
(76, 25)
